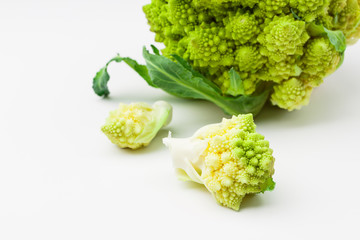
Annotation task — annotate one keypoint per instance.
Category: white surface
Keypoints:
(60, 177)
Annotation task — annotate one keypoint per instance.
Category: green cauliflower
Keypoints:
(230, 158)
(293, 44)
(135, 125)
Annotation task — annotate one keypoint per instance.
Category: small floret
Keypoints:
(320, 58)
(291, 94)
(229, 158)
(348, 20)
(310, 9)
(249, 58)
(208, 47)
(283, 36)
(242, 27)
(135, 125)
(270, 8)
(282, 70)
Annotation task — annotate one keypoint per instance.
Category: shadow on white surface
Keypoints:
(248, 202)
(252, 201)
(132, 96)
(195, 186)
(155, 145)
(319, 111)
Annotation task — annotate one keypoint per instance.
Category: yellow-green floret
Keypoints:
(135, 125)
(310, 9)
(291, 94)
(238, 161)
(271, 8)
(283, 36)
(249, 58)
(231, 160)
(249, 83)
(208, 47)
(264, 41)
(320, 58)
(243, 27)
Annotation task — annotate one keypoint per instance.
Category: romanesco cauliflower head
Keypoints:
(135, 125)
(230, 158)
(264, 41)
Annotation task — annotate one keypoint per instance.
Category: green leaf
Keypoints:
(251, 103)
(175, 79)
(315, 30)
(195, 73)
(295, 15)
(269, 185)
(155, 50)
(180, 79)
(298, 71)
(100, 82)
(102, 77)
(336, 38)
(236, 87)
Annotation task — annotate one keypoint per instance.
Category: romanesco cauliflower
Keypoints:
(264, 41)
(135, 125)
(229, 158)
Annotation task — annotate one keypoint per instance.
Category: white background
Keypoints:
(61, 178)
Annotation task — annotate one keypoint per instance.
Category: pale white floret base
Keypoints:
(187, 153)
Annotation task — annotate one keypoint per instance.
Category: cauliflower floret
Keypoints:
(135, 125)
(283, 36)
(291, 94)
(229, 158)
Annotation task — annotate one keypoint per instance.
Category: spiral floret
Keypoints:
(282, 37)
(320, 58)
(291, 94)
(182, 15)
(208, 47)
(157, 16)
(230, 158)
(348, 20)
(270, 8)
(310, 9)
(242, 28)
(336, 6)
(135, 125)
(249, 58)
(283, 70)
